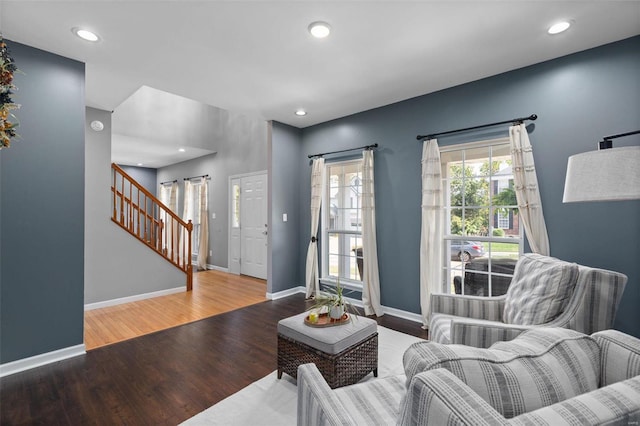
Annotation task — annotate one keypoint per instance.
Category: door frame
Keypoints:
(230, 213)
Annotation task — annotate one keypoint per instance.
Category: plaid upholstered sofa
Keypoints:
(544, 291)
(546, 376)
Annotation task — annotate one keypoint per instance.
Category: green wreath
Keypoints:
(8, 121)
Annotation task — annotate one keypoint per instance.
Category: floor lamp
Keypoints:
(608, 174)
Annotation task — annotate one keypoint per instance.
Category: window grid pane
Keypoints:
(485, 236)
(342, 221)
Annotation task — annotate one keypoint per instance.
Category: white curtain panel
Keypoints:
(165, 195)
(432, 227)
(371, 277)
(187, 215)
(169, 197)
(174, 237)
(204, 225)
(312, 277)
(527, 192)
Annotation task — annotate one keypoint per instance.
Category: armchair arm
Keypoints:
(487, 308)
(482, 333)
(619, 356)
(438, 397)
(317, 402)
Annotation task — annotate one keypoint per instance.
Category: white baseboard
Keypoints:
(402, 314)
(121, 300)
(410, 316)
(217, 268)
(285, 293)
(391, 311)
(40, 360)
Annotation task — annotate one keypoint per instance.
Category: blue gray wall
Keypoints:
(285, 189)
(145, 176)
(579, 99)
(42, 200)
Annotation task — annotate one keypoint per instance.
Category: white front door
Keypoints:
(248, 238)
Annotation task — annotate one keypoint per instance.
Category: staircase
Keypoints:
(142, 215)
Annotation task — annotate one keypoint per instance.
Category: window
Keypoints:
(342, 221)
(483, 237)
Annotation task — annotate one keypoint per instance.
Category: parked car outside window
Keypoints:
(466, 250)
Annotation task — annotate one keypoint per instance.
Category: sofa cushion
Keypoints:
(540, 367)
(540, 289)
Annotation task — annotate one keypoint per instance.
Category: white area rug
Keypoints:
(273, 402)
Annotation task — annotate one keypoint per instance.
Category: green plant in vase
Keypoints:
(333, 301)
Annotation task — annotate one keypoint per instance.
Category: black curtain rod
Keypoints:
(196, 177)
(532, 117)
(169, 181)
(375, 145)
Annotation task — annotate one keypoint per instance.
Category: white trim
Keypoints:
(474, 144)
(348, 284)
(241, 175)
(40, 360)
(217, 268)
(324, 231)
(121, 300)
(410, 316)
(286, 293)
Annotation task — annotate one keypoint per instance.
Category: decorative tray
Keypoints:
(324, 320)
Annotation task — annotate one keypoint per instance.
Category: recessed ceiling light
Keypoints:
(85, 34)
(301, 112)
(559, 27)
(97, 125)
(181, 150)
(319, 29)
(140, 164)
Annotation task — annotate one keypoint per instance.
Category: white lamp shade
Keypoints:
(605, 175)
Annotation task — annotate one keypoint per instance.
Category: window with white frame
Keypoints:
(483, 238)
(342, 222)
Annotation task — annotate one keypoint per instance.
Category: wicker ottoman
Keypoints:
(344, 354)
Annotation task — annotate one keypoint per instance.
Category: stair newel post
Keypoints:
(189, 265)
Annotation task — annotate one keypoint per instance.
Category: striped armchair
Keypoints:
(547, 376)
(545, 291)
(576, 380)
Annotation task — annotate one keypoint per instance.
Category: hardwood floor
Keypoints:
(161, 378)
(214, 292)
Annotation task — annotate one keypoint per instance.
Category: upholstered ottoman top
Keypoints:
(330, 340)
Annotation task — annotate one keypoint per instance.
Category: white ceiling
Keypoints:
(257, 58)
